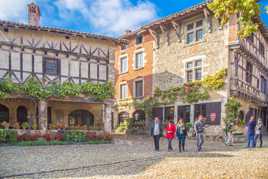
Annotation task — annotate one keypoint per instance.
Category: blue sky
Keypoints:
(108, 17)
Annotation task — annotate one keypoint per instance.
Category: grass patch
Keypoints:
(42, 142)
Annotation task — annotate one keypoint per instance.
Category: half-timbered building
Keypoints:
(52, 55)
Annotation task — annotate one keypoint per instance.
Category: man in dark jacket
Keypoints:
(199, 131)
(156, 132)
(251, 132)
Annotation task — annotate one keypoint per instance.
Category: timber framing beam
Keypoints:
(208, 19)
(177, 28)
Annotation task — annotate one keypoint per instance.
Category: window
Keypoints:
(123, 91)
(139, 60)
(51, 66)
(81, 119)
(194, 70)
(138, 88)
(124, 46)
(123, 65)
(249, 69)
(211, 111)
(194, 32)
(139, 39)
(250, 39)
(263, 85)
(261, 49)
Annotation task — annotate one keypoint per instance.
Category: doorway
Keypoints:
(184, 112)
(22, 114)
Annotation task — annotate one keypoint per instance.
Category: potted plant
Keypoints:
(25, 125)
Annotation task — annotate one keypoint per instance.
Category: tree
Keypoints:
(247, 10)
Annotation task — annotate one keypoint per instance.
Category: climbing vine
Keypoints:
(248, 11)
(189, 92)
(215, 81)
(34, 88)
(232, 111)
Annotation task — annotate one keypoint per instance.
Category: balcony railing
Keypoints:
(247, 89)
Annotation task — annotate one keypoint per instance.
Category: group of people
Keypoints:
(179, 131)
(254, 132)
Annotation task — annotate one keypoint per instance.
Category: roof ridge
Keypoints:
(59, 30)
(193, 7)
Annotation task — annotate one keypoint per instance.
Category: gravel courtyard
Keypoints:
(133, 158)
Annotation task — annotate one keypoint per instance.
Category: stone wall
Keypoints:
(170, 59)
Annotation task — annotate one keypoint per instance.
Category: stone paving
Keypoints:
(131, 158)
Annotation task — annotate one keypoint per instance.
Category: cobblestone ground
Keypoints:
(133, 158)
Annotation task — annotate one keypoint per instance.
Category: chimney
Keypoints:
(33, 14)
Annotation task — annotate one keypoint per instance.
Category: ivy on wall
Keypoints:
(189, 92)
(232, 108)
(34, 88)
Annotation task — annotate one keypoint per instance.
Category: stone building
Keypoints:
(52, 55)
(189, 45)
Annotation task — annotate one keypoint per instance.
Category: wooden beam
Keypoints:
(177, 28)
(153, 34)
(208, 19)
(162, 28)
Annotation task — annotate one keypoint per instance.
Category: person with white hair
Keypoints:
(258, 132)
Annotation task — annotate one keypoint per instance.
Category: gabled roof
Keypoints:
(169, 18)
(8, 24)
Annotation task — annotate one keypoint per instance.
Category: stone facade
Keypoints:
(176, 45)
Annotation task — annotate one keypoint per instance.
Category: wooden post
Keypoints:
(42, 106)
(107, 115)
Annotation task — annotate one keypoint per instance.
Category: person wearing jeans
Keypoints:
(156, 132)
(199, 130)
(258, 132)
(170, 133)
(251, 132)
(181, 134)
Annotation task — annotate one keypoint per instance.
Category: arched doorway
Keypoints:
(4, 113)
(122, 116)
(139, 115)
(139, 119)
(22, 114)
(80, 119)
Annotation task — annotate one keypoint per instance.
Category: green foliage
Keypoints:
(232, 111)
(146, 105)
(34, 88)
(123, 126)
(99, 91)
(189, 125)
(74, 136)
(189, 93)
(3, 135)
(11, 136)
(7, 87)
(25, 125)
(99, 142)
(215, 81)
(195, 93)
(69, 89)
(248, 11)
(7, 135)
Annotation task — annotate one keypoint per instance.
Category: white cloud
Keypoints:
(14, 10)
(109, 16)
